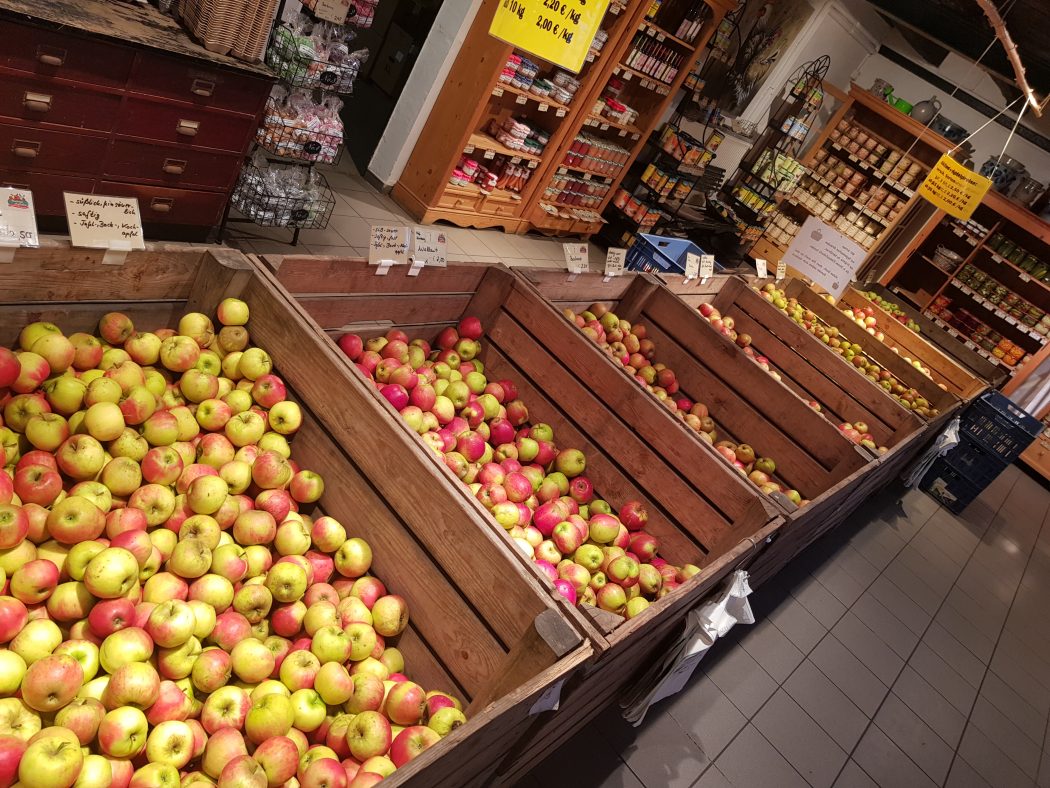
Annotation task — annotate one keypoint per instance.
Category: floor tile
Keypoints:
(914, 587)
(853, 776)
(752, 761)
(373, 207)
(1005, 735)
(663, 754)
(798, 737)
(589, 757)
(935, 710)
(954, 653)
(886, 764)
(713, 778)
(878, 544)
(843, 585)
(890, 629)
(820, 602)
(990, 762)
(900, 604)
(868, 648)
(771, 649)
(798, 624)
(704, 712)
(962, 775)
(959, 692)
(338, 251)
(354, 230)
(915, 738)
(979, 643)
(497, 242)
(827, 704)
(741, 679)
(849, 674)
(1015, 706)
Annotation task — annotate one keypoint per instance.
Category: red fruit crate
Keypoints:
(749, 405)
(700, 510)
(481, 626)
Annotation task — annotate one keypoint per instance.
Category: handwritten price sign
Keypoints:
(97, 221)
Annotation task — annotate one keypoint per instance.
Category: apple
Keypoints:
(368, 735)
(37, 484)
(411, 742)
(226, 707)
(112, 573)
(81, 457)
(222, 747)
(13, 616)
(123, 732)
(270, 716)
(14, 524)
(51, 762)
(17, 719)
(279, 759)
(353, 558)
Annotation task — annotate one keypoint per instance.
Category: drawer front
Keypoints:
(40, 101)
(458, 202)
(500, 208)
(33, 148)
(170, 206)
(47, 189)
(186, 125)
(172, 166)
(156, 75)
(48, 53)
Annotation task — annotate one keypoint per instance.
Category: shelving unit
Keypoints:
(477, 95)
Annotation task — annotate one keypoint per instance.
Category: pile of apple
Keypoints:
(617, 338)
(851, 352)
(537, 492)
(726, 326)
(171, 613)
(866, 319)
(893, 309)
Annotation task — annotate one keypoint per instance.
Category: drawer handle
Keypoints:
(25, 149)
(174, 166)
(202, 87)
(188, 128)
(56, 57)
(37, 102)
(161, 204)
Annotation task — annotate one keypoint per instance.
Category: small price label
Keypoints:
(971, 345)
(782, 270)
(604, 127)
(615, 259)
(661, 37)
(532, 164)
(586, 176)
(17, 218)
(544, 107)
(575, 257)
(986, 305)
(627, 76)
(559, 113)
(762, 267)
(1000, 314)
(692, 266)
(1025, 278)
(388, 245)
(429, 247)
(520, 100)
(515, 160)
(953, 332)
(1011, 320)
(497, 92)
(489, 154)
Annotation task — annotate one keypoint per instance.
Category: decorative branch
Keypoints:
(999, 26)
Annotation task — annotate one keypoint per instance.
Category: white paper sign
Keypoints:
(17, 218)
(615, 259)
(782, 270)
(762, 267)
(825, 255)
(332, 10)
(97, 221)
(707, 266)
(430, 247)
(549, 700)
(575, 258)
(692, 265)
(388, 245)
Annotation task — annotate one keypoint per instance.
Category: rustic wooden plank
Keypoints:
(561, 288)
(309, 275)
(424, 309)
(226, 275)
(71, 318)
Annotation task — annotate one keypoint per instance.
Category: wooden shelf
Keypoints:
(481, 141)
(1022, 275)
(559, 109)
(999, 313)
(627, 128)
(663, 88)
(870, 170)
(970, 344)
(659, 31)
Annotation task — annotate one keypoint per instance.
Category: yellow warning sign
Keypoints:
(558, 31)
(953, 188)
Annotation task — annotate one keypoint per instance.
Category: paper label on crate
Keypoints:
(388, 245)
(692, 265)
(782, 270)
(549, 700)
(762, 267)
(332, 10)
(615, 259)
(1025, 278)
(17, 218)
(707, 266)
(497, 92)
(971, 345)
(429, 246)
(825, 255)
(97, 221)
(576, 258)
(520, 100)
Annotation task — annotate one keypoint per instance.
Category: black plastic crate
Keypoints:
(949, 486)
(977, 464)
(1000, 426)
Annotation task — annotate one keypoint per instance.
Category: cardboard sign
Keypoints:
(576, 258)
(558, 31)
(429, 247)
(953, 188)
(17, 218)
(97, 221)
(615, 260)
(692, 265)
(388, 246)
(782, 270)
(762, 267)
(707, 266)
(331, 10)
(825, 255)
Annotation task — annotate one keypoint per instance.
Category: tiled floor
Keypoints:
(359, 205)
(909, 648)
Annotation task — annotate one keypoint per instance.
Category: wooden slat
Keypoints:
(340, 275)
(421, 309)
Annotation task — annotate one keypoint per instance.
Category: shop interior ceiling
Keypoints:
(935, 26)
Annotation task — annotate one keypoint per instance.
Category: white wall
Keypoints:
(421, 90)
(975, 81)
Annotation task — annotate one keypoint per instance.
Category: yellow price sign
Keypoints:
(558, 31)
(953, 188)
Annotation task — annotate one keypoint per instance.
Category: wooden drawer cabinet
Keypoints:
(49, 53)
(31, 148)
(47, 188)
(43, 101)
(170, 206)
(175, 79)
(171, 123)
(171, 165)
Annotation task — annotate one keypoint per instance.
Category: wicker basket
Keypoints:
(229, 27)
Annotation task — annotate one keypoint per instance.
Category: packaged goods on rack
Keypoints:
(749, 198)
(687, 149)
(297, 127)
(782, 230)
(667, 184)
(1019, 256)
(280, 195)
(567, 189)
(659, 61)
(312, 54)
(359, 13)
(643, 214)
(593, 154)
(496, 173)
(778, 170)
(517, 134)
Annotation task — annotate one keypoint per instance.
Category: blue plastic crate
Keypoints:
(949, 486)
(997, 424)
(978, 465)
(656, 254)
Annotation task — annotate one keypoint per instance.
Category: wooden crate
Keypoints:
(700, 510)
(944, 401)
(945, 369)
(481, 625)
(994, 375)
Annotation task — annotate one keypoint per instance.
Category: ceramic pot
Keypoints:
(925, 111)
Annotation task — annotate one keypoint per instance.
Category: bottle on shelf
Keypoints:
(692, 22)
